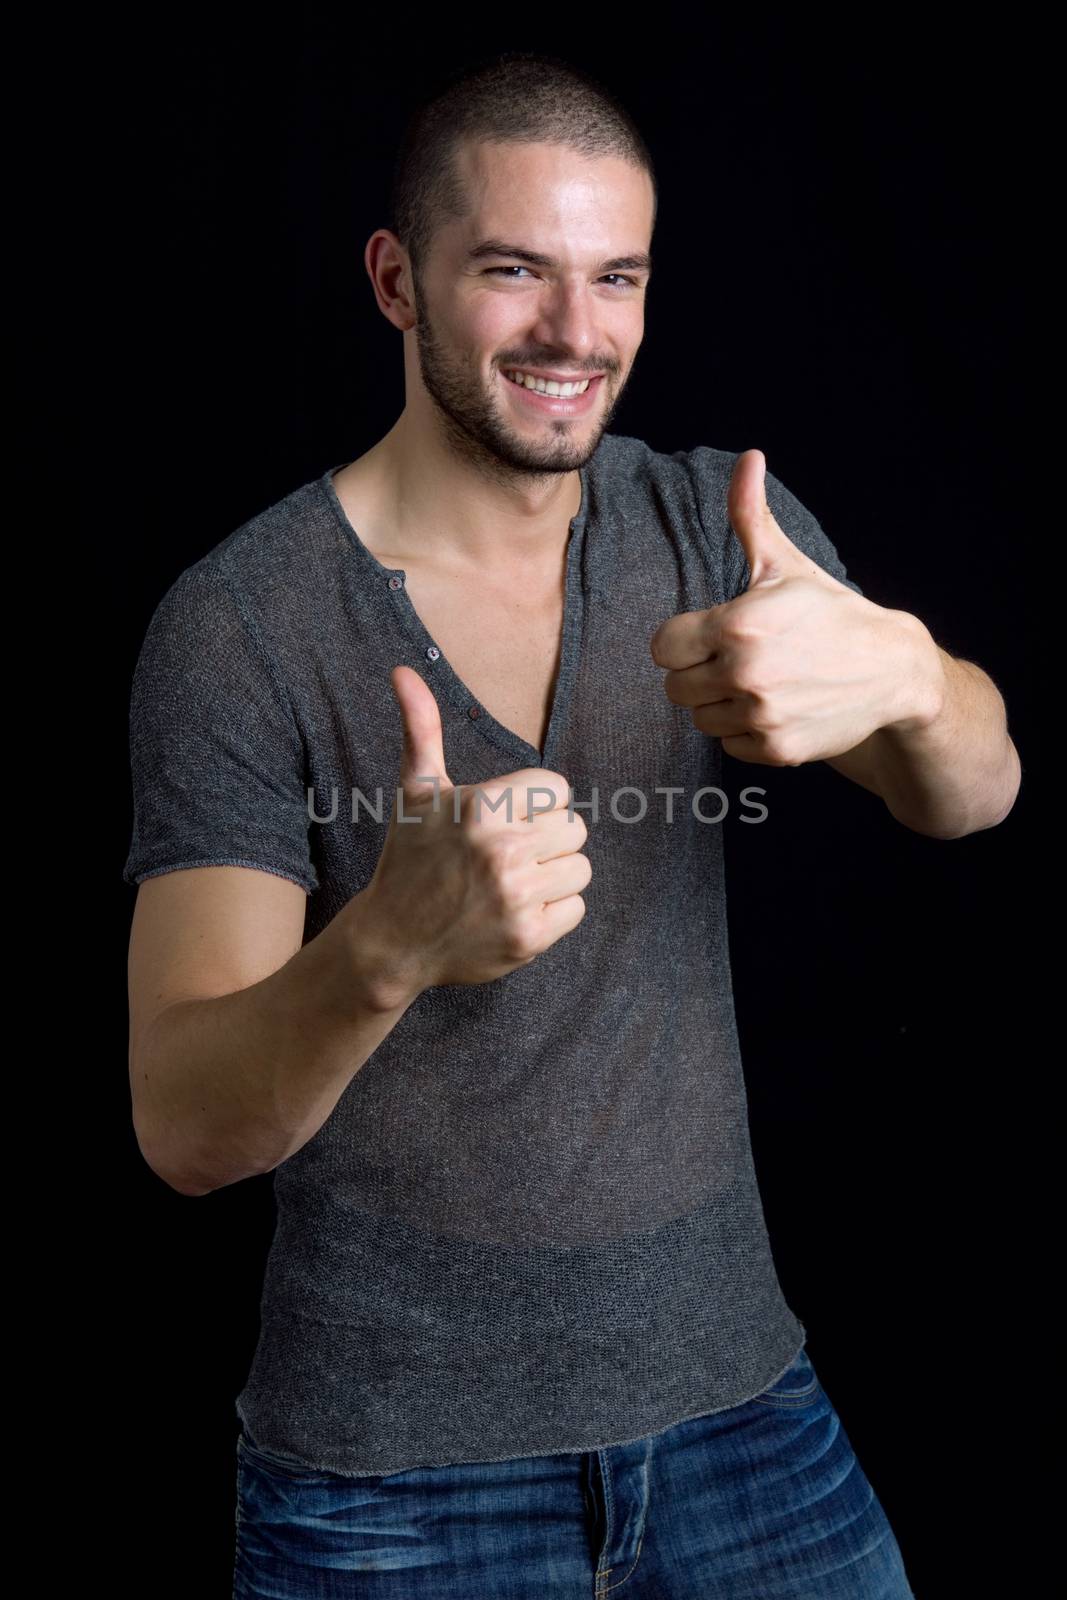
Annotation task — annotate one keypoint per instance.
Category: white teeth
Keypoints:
(548, 385)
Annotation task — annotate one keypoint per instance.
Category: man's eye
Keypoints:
(622, 279)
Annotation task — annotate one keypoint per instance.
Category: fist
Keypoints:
(473, 880)
(797, 668)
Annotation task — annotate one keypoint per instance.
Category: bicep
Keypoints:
(203, 932)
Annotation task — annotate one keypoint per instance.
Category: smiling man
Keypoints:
(521, 1330)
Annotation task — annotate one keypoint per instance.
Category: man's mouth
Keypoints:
(554, 397)
(554, 386)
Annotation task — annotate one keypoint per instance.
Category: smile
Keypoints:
(547, 385)
(552, 397)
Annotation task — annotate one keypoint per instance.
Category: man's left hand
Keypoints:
(799, 667)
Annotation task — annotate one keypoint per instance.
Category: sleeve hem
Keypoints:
(228, 861)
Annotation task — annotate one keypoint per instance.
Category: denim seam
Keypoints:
(622, 1580)
(602, 1574)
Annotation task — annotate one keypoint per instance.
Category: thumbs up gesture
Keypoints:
(797, 668)
(473, 880)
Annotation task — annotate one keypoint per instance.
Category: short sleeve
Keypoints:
(216, 757)
(711, 471)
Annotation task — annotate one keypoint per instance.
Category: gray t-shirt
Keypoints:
(531, 1224)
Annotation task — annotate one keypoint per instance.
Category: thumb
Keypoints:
(424, 751)
(770, 553)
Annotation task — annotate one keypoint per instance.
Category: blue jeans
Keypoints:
(762, 1501)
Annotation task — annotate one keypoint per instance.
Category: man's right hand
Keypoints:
(468, 901)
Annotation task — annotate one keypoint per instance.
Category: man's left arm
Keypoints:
(948, 768)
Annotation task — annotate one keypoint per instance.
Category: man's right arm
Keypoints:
(242, 1040)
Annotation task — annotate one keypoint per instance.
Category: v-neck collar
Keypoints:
(439, 673)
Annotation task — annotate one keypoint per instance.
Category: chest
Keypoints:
(502, 638)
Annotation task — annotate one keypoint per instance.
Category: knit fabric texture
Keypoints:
(531, 1224)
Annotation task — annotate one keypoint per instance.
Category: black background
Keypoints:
(846, 250)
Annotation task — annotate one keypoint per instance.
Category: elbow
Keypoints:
(181, 1187)
(956, 830)
(1011, 792)
(947, 830)
(179, 1181)
(1015, 783)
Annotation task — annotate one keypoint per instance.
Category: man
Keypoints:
(520, 1327)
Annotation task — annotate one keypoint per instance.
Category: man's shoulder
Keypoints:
(277, 547)
(659, 494)
(273, 554)
(622, 459)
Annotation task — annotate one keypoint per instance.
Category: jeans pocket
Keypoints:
(797, 1386)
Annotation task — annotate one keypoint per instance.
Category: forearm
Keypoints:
(951, 769)
(235, 1084)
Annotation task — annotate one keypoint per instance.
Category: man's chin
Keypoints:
(567, 456)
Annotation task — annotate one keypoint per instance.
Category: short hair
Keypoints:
(514, 97)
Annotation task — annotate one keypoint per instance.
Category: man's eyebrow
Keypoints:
(499, 247)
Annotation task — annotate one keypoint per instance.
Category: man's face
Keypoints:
(480, 316)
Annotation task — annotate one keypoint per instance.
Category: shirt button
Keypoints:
(433, 653)
(474, 711)
(396, 583)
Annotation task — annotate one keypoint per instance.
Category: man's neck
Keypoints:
(426, 502)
